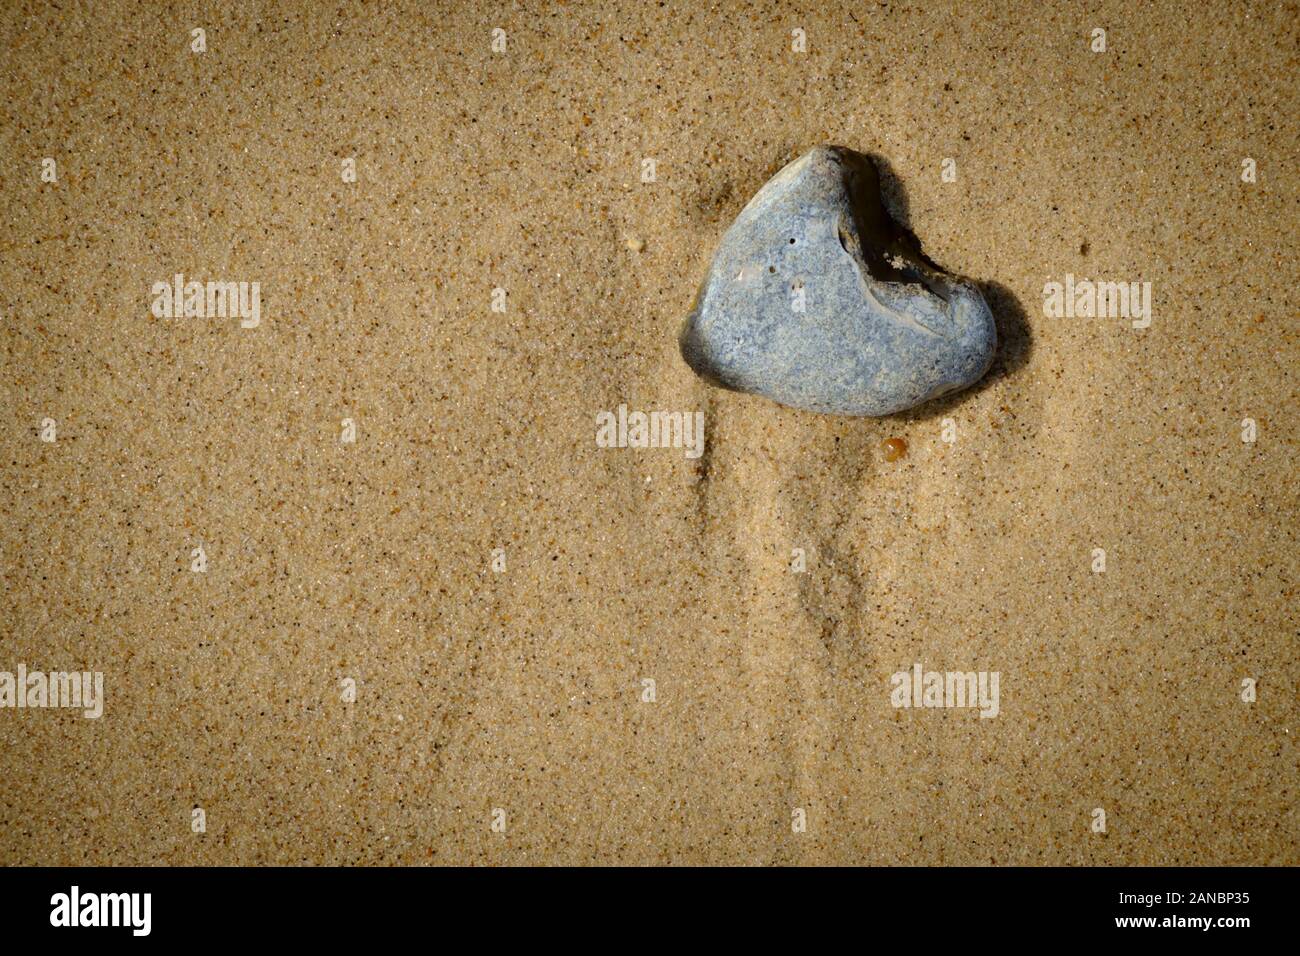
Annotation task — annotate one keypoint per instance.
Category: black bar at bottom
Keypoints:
(336, 906)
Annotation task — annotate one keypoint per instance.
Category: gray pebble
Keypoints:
(816, 299)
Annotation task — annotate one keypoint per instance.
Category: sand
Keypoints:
(501, 717)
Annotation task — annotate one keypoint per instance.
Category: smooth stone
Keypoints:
(883, 329)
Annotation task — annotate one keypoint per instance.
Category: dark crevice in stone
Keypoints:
(891, 252)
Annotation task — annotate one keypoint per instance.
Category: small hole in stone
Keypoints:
(792, 242)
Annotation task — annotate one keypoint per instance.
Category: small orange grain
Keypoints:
(895, 448)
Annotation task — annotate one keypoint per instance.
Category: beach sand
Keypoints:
(503, 717)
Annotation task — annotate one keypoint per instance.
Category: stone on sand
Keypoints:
(817, 300)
